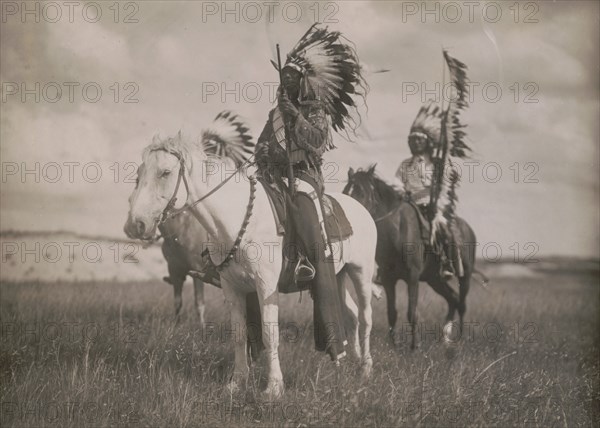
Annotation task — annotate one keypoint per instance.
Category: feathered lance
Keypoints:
(288, 145)
(439, 161)
(450, 119)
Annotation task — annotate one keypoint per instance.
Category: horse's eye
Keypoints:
(165, 173)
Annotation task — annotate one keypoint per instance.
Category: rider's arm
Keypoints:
(312, 128)
(397, 180)
(401, 179)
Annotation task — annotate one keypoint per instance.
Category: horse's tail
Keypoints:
(469, 236)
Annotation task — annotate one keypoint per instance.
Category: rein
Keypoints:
(238, 240)
(168, 212)
(389, 213)
(386, 215)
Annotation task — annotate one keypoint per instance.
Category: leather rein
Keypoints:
(169, 211)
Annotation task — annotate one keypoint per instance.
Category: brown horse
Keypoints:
(402, 254)
(182, 249)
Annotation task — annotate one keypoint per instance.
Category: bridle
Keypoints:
(169, 212)
(372, 199)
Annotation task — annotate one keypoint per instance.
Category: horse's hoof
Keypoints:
(273, 391)
(451, 333)
(233, 387)
(236, 383)
(366, 369)
(377, 291)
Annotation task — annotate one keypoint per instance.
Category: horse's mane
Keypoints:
(380, 191)
(183, 148)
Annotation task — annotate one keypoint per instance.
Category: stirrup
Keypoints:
(447, 275)
(304, 270)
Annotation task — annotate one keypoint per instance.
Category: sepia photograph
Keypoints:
(299, 213)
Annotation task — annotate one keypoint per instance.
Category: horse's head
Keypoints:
(370, 190)
(157, 181)
(361, 186)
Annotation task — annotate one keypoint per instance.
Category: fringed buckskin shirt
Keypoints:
(310, 137)
(416, 174)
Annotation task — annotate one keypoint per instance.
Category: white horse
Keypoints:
(237, 215)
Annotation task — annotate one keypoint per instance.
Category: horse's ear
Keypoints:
(372, 168)
(155, 139)
(179, 135)
(350, 172)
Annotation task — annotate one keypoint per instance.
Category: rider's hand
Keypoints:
(287, 107)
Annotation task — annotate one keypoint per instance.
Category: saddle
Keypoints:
(424, 224)
(337, 228)
(425, 227)
(293, 276)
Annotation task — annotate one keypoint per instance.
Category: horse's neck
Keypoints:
(222, 213)
(388, 203)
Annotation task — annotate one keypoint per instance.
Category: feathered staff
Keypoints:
(451, 143)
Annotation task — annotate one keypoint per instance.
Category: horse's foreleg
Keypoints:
(443, 289)
(237, 304)
(269, 303)
(364, 292)
(177, 289)
(464, 285)
(350, 312)
(389, 285)
(413, 298)
(199, 299)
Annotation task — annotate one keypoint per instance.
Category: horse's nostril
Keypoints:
(140, 227)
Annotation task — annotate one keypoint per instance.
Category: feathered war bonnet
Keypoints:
(428, 122)
(228, 136)
(331, 73)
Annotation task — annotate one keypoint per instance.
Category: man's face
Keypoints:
(418, 145)
(291, 81)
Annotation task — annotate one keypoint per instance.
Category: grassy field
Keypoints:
(100, 354)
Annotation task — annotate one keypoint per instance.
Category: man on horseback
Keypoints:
(416, 176)
(428, 177)
(318, 76)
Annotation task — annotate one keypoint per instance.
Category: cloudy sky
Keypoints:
(533, 117)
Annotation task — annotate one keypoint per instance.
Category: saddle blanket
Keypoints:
(336, 223)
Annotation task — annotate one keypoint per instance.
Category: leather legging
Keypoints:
(329, 331)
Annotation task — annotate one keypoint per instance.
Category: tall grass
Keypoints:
(105, 354)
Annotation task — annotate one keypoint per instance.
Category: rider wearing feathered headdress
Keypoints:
(429, 177)
(319, 78)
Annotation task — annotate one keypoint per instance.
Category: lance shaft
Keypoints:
(288, 142)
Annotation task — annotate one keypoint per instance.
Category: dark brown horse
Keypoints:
(182, 249)
(402, 253)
